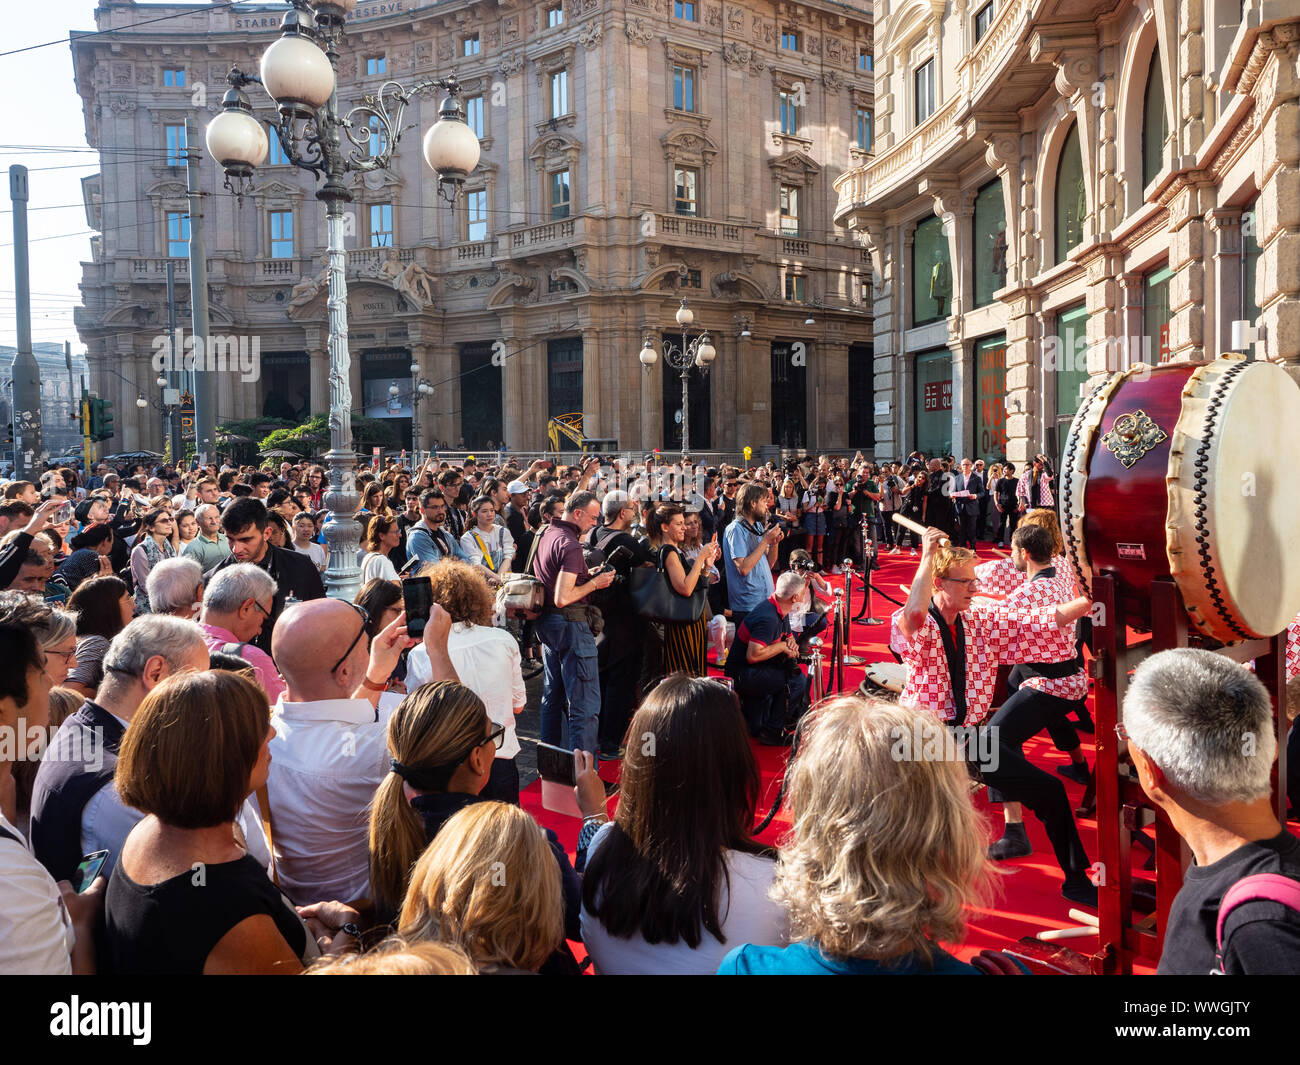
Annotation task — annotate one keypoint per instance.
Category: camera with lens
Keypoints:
(803, 565)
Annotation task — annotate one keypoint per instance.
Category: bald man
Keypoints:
(329, 751)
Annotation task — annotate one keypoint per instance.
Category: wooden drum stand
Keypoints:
(1126, 935)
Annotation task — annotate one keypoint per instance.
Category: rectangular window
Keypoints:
(275, 153)
(794, 287)
(789, 377)
(866, 127)
(376, 64)
(1066, 359)
(174, 79)
(559, 94)
(175, 145)
(378, 141)
(924, 88)
(984, 19)
(1250, 252)
(790, 41)
(686, 182)
(555, 16)
(684, 88)
(470, 45)
(564, 376)
(476, 214)
(866, 62)
(990, 224)
(474, 115)
(381, 225)
(789, 210)
(990, 398)
(1156, 315)
(862, 398)
(692, 279)
(178, 234)
(281, 234)
(931, 273)
(789, 107)
(684, 9)
(934, 402)
(559, 194)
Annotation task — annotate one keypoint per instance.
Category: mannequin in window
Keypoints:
(940, 283)
(999, 265)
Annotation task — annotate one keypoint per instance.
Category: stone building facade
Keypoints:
(1063, 188)
(635, 152)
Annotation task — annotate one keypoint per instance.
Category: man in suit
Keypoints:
(939, 509)
(245, 522)
(968, 486)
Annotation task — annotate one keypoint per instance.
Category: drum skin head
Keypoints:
(1233, 525)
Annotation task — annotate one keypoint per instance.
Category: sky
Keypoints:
(59, 238)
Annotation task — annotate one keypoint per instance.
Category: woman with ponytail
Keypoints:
(441, 745)
(89, 558)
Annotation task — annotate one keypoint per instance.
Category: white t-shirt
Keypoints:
(376, 566)
(748, 916)
(316, 553)
(487, 662)
(36, 934)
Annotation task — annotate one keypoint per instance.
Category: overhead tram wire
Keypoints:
(215, 5)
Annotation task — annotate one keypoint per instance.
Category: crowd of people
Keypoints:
(218, 769)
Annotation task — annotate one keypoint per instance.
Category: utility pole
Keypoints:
(205, 388)
(28, 452)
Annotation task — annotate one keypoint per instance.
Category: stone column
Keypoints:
(886, 315)
(594, 415)
(320, 381)
(1135, 339)
(1106, 330)
(1187, 286)
(1277, 284)
(1225, 244)
(831, 430)
(1022, 364)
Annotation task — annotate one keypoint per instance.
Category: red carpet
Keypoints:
(1029, 899)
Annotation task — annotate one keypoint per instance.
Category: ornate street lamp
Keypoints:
(697, 352)
(299, 73)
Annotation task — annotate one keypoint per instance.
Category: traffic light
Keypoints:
(101, 419)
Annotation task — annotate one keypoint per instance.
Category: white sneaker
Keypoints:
(914, 552)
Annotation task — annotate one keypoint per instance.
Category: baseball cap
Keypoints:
(517, 488)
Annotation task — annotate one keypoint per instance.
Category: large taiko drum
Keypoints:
(1188, 471)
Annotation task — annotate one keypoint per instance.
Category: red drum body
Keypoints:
(1185, 471)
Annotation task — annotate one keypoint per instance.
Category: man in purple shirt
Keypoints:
(571, 678)
(236, 604)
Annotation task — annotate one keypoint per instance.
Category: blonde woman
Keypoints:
(885, 851)
(488, 885)
(396, 957)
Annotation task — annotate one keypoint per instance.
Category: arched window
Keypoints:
(1071, 201)
(1155, 123)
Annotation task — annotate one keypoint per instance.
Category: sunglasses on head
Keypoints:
(365, 625)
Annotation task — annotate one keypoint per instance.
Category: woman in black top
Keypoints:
(442, 744)
(685, 644)
(1004, 498)
(185, 896)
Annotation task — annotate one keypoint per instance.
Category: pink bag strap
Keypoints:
(1261, 887)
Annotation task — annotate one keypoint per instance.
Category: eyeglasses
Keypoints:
(365, 624)
(1121, 731)
(497, 737)
(268, 614)
(65, 655)
(971, 582)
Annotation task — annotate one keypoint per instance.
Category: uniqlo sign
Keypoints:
(937, 395)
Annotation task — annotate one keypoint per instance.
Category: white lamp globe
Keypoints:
(141, 402)
(685, 316)
(648, 356)
(450, 147)
(705, 353)
(415, 369)
(237, 140)
(393, 390)
(297, 74)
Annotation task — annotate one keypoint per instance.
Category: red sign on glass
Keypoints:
(937, 395)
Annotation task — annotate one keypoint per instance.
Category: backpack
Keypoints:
(1261, 887)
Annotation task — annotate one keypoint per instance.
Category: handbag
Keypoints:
(654, 597)
(522, 595)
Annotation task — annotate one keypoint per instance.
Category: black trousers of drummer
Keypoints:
(1026, 713)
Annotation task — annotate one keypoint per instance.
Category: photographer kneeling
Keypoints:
(764, 664)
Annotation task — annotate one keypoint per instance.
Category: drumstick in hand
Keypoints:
(914, 526)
